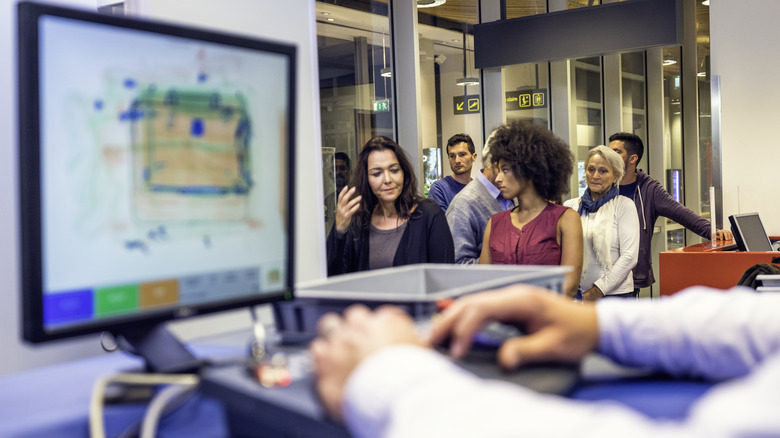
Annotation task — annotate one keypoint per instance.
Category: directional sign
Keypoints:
(468, 104)
(526, 99)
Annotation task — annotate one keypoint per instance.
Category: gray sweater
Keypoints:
(467, 217)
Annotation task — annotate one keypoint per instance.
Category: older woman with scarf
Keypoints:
(610, 228)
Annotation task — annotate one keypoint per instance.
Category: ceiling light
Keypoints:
(430, 3)
(706, 2)
(331, 19)
(467, 81)
(701, 74)
(325, 13)
(386, 72)
(670, 61)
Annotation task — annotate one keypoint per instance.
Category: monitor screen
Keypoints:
(155, 171)
(749, 232)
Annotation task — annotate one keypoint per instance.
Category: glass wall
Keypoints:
(674, 172)
(632, 76)
(527, 92)
(356, 95)
(526, 87)
(705, 99)
(449, 82)
(524, 8)
(586, 99)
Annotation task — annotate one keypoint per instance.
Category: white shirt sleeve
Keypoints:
(406, 391)
(699, 332)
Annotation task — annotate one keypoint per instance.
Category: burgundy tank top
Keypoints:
(535, 244)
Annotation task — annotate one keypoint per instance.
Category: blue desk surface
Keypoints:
(54, 401)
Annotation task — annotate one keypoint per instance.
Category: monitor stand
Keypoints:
(160, 350)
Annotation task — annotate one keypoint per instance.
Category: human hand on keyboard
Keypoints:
(343, 342)
(556, 329)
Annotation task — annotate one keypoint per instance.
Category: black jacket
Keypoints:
(427, 239)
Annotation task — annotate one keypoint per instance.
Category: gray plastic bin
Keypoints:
(416, 288)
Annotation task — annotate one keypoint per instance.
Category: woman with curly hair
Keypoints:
(381, 221)
(534, 168)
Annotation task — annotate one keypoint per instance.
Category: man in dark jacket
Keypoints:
(652, 201)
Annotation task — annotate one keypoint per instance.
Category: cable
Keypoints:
(96, 424)
(160, 405)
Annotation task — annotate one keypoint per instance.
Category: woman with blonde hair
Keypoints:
(610, 228)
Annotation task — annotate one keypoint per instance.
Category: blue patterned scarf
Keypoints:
(587, 204)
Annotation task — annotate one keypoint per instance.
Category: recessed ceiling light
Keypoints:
(430, 3)
(706, 2)
(701, 74)
(670, 61)
(455, 40)
(331, 19)
(386, 72)
(325, 13)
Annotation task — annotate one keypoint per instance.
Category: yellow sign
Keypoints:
(466, 104)
(526, 99)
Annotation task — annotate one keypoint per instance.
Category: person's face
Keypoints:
(599, 175)
(461, 160)
(507, 182)
(619, 146)
(385, 175)
(342, 173)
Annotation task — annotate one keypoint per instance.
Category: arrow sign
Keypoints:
(468, 104)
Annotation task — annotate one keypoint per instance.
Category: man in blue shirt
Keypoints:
(461, 153)
(470, 210)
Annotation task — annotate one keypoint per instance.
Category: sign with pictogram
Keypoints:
(468, 104)
(526, 99)
(381, 106)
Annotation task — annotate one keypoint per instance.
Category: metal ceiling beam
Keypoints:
(578, 33)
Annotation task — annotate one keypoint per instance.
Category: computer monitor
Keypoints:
(749, 232)
(156, 174)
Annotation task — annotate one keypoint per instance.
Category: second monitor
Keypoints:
(749, 232)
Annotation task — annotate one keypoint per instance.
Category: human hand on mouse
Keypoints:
(556, 328)
(344, 342)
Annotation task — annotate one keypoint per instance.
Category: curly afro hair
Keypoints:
(536, 154)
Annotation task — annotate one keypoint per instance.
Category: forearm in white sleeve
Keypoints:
(406, 391)
(699, 332)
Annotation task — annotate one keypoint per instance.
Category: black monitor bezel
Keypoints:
(29, 191)
(736, 230)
